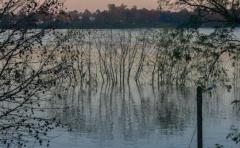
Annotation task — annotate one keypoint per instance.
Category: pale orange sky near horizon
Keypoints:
(93, 5)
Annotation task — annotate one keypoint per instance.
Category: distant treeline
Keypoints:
(115, 17)
(124, 17)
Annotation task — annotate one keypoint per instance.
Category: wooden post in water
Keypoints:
(199, 117)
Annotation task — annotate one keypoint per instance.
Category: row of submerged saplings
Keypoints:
(119, 57)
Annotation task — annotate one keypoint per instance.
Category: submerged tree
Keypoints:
(220, 48)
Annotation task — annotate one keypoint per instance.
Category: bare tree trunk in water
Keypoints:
(89, 58)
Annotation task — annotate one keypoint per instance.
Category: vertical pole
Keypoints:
(199, 117)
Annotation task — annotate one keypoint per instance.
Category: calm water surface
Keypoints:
(142, 117)
(139, 116)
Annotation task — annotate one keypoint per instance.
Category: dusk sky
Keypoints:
(102, 4)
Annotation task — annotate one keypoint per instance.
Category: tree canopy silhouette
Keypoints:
(28, 69)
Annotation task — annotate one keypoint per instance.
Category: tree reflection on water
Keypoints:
(138, 112)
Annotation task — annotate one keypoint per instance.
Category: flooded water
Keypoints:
(103, 115)
(140, 116)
